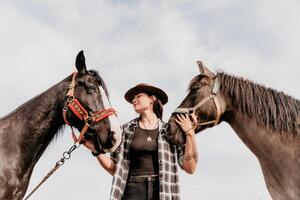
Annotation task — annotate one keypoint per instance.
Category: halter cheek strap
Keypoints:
(212, 96)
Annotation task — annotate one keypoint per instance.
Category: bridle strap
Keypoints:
(204, 101)
(218, 106)
(72, 85)
(65, 116)
(82, 132)
(212, 96)
(218, 109)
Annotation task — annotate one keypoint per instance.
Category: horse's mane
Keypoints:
(275, 110)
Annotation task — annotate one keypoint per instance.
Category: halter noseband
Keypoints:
(212, 96)
(78, 110)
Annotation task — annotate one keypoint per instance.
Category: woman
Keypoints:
(144, 166)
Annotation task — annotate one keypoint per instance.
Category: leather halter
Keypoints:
(78, 110)
(212, 96)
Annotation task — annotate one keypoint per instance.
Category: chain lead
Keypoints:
(66, 156)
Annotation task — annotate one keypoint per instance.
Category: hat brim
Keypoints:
(150, 90)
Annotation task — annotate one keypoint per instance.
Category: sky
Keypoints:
(154, 42)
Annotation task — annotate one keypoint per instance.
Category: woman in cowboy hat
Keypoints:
(144, 166)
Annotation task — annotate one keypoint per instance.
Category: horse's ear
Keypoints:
(204, 70)
(80, 63)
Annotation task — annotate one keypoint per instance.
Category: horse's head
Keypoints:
(87, 109)
(203, 100)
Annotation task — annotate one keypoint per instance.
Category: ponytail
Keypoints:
(158, 108)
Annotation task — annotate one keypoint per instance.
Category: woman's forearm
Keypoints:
(190, 157)
(107, 163)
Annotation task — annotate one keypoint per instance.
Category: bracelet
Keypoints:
(95, 153)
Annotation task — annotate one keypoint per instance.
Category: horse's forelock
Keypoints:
(99, 80)
(193, 82)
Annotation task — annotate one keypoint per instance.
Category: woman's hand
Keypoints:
(106, 162)
(186, 124)
(190, 157)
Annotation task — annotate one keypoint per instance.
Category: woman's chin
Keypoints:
(138, 109)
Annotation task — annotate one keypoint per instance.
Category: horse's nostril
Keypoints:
(110, 140)
(111, 136)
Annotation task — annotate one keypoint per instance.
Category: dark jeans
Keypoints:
(142, 188)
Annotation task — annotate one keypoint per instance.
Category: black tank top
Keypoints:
(143, 154)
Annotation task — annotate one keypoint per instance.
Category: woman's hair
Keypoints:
(158, 108)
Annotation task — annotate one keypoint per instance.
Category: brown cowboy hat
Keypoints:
(148, 89)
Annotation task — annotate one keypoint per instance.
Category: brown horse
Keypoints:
(267, 121)
(25, 133)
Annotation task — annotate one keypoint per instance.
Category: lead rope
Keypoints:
(66, 156)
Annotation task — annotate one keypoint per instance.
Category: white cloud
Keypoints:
(156, 42)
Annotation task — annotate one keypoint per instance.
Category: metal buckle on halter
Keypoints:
(191, 111)
(89, 121)
(70, 99)
(188, 111)
(212, 95)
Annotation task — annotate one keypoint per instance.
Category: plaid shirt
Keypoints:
(168, 155)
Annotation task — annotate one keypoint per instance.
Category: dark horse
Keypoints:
(26, 132)
(267, 121)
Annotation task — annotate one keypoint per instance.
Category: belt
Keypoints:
(143, 178)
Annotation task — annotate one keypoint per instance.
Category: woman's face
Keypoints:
(142, 102)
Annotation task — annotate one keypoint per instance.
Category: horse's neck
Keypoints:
(271, 148)
(276, 152)
(33, 125)
(258, 139)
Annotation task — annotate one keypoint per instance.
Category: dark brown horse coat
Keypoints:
(26, 132)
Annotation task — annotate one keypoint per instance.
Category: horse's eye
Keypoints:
(194, 89)
(92, 88)
(80, 83)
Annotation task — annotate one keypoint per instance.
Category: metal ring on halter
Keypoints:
(76, 144)
(70, 99)
(191, 111)
(89, 121)
(188, 111)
